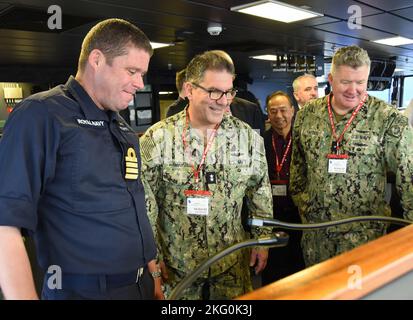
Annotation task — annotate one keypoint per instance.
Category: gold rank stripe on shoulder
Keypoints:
(131, 165)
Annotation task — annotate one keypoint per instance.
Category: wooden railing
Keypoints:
(351, 275)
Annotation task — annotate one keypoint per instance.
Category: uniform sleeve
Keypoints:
(259, 189)
(151, 175)
(399, 159)
(27, 162)
(298, 167)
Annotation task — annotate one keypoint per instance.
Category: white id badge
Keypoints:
(279, 189)
(197, 205)
(337, 165)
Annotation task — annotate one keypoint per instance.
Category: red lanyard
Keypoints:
(353, 115)
(206, 149)
(278, 165)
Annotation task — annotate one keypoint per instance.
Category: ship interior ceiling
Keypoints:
(31, 52)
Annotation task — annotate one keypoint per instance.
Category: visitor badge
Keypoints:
(279, 187)
(197, 202)
(337, 163)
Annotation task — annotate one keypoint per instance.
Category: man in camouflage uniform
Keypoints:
(336, 176)
(194, 219)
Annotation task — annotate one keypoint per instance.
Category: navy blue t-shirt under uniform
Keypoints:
(62, 175)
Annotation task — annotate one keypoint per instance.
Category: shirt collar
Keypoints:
(89, 108)
(280, 136)
(362, 112)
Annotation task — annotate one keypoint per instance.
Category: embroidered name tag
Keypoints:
(91, 123)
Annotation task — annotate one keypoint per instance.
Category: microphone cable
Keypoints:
(267, 222)
(280, 240)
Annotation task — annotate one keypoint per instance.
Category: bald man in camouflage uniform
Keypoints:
(351, 183)
(234, 167)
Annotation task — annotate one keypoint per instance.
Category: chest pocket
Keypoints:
(175, 180)
(177, 176)
(366, 151)
(97, 179)
(236, 180)
(314, 143)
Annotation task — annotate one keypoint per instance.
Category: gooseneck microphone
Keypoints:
(267, 222)
(280, 240)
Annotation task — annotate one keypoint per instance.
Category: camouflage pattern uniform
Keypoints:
(378, 140)
(237, 158)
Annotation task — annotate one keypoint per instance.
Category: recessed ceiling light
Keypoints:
(275, 10)
(269, 57)
(394, 41)
(157, 45)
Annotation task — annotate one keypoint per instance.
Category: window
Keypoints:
(407, 91)
(383, 95)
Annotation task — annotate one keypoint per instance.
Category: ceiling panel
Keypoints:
(184, 22)
(406, 13)
(3, 6)
(337, 9)
(390, 23)
(388, 5)
(375, 50)
(316, 21)
(363, 33)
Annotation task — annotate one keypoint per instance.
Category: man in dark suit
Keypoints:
(248, 112)
(180, 103)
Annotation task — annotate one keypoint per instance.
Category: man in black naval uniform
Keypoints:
(70, 173)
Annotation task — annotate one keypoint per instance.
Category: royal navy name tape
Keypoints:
(92, 123)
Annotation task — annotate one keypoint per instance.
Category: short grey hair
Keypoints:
(209, 60)
(352, 56)
(296, 82)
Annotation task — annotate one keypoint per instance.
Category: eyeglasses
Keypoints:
(215, 94)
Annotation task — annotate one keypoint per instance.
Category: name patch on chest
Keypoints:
(91, 123)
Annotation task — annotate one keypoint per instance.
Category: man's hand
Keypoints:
(259, 259)
(16, 278)
(158, 289)
(153, 267)
(164, 270)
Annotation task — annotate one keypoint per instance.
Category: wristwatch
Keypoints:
(156, 274)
